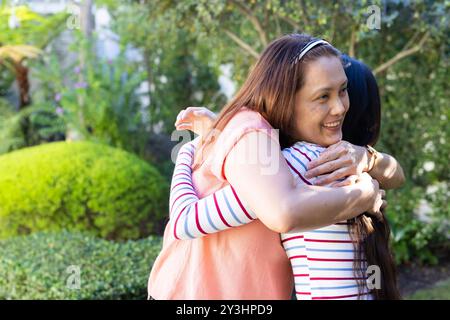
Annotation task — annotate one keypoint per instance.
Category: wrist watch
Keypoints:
(373, 157)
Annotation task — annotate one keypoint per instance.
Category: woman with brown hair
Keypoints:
(249, 262)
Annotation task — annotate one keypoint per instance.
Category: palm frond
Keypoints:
(19, 52)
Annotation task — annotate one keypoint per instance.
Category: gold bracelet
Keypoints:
(373, 157)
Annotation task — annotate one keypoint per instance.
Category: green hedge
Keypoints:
(38, 266)
(80, 186)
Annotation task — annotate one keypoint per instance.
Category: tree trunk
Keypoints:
(23, 84)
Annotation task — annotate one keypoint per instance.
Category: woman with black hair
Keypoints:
(337, 244)
(362, 121)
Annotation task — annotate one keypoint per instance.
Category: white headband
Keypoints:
(308, 47)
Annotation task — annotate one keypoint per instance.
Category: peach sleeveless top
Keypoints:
(246, 262)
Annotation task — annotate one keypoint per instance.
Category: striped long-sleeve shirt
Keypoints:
(321, 260)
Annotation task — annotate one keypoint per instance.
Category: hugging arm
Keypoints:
(282, 204)
(388, 171)
(192, 217)
(283, 207)
(344, 159)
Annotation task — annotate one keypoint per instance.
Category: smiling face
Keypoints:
(322, 102)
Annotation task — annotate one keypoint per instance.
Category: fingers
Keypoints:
(183, 114)
(200, 113)
(347, 182)
(383, 199)
(332, 153)
(336, 175)
(184, 126)
(379, 203)
(329, 167)
(191, 114)
(365, 176)
(178, 116)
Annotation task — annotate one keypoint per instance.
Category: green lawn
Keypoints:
(441, 291)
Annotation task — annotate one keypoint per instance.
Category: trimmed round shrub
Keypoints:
(75, 266)
(80, 186)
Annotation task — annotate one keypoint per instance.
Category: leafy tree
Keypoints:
(178, 64)
(24, 38)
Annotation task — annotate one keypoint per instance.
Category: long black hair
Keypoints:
(362, 127)
(362, 121)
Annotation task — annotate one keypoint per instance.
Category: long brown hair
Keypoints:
(270, 90)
